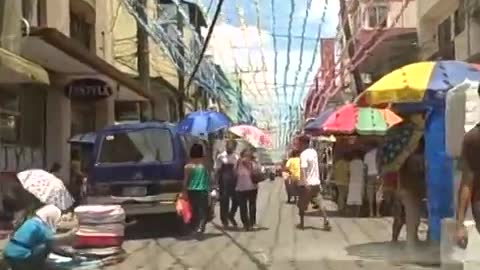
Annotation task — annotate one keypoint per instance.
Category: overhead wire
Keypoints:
(275, 58)
(302, 41)
(207, 40)
(315, 52)
(319, 36)
(287, 65)
(260, 35)
(170, 45)
(243, 26)
(316, 48)
(237, 68)
(342, 22)
(242, 103)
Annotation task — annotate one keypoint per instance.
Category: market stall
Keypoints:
(424, 86)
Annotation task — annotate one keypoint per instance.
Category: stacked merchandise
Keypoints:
(101, 230)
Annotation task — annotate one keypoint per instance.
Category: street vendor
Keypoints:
(35, 238)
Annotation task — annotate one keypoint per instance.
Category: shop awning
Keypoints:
(64, 55)
(16, 69)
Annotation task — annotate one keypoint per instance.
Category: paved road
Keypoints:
(352, 244)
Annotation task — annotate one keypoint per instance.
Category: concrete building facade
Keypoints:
(449, 29)
(69, 40)
(383, 35)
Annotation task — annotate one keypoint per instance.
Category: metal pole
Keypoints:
(182, 92)
(143, 54)
(143, 57)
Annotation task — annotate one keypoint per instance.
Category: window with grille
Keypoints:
(9, 116)
(376, 16)
(81, 30)
(34, 11)
(459, 18)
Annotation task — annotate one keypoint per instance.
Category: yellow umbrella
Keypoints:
(419, 82)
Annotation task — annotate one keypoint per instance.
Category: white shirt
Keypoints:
(309, 164)
(371, 162)
(356, 171)
(225, 158)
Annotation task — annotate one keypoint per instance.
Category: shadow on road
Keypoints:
(250, 255)
(397, 253)
(238, 229)
(318, 213)
(154, 226)
(160, 226)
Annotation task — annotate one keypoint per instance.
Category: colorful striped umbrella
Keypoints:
(350, 119)
(425, 82)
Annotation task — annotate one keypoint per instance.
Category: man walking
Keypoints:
(227, 179)
(341, 176)
(370, 161)
(309, 184)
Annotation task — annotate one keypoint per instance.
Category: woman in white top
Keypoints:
(246, 189)
(356, 184)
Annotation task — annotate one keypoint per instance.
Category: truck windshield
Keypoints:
(147, 145)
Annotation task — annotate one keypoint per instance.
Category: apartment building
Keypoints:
(377, 52)
(171, 46)
(68, 39)
(449, 29)
(381, 35)
(17, 76)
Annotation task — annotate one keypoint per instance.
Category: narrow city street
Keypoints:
(352, 244)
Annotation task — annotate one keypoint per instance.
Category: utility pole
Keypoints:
(143, 53)
(182, 92)
(351, 47)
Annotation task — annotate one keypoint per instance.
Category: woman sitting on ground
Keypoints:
(32, 242)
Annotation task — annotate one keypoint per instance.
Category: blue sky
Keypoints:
(238, 26)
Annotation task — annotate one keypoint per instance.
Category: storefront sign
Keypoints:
(88, 89)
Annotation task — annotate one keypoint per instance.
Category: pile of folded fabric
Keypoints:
(101, 230)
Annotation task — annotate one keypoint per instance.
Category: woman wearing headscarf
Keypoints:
(31, 243)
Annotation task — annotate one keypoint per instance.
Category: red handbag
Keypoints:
(184, 209)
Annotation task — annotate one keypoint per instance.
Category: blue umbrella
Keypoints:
(317, 123)
(202, 123)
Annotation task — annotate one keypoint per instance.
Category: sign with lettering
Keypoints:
(88, 89)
